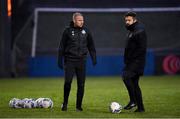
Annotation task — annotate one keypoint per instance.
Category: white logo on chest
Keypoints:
(72, 33)
(83, 32)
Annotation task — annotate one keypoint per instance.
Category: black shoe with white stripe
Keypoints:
(130, 106)
(64, 107)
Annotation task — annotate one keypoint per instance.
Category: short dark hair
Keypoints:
(131, 13)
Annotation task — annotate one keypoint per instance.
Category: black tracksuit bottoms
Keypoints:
(79, 68)
(132, 85)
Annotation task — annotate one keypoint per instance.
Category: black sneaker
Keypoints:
(64, 107)
(79, 109)
(130, 106)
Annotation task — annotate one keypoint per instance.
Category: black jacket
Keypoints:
(135, 50)
(75, 44)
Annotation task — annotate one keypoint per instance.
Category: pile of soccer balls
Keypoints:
(31, 103)
(115, 107)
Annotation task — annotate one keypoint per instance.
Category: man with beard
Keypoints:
(75, 43)
(134, 59)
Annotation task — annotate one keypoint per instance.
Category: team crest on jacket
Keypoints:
(83, 31)
(72, 33)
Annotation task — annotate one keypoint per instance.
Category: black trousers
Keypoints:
(78, 68)
(131, 82)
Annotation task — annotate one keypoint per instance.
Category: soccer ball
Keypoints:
(39, 102)
(29, 103)
(47, 103)
(44, 102)
(15, 103)
(12, 102)
(33, 103)
(115, 107)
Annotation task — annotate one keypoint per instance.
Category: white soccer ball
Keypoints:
(115, 107)
(15, 103)
(27, 103)
(47, 103)
(44, 103)
(34, 103)
(39, 102)
(11, 102)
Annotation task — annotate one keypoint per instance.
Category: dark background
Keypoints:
(16, 32)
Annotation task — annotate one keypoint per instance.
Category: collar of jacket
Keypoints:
(72, 26)
(132, 26)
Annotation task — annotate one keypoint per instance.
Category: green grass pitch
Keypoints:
(161, 95)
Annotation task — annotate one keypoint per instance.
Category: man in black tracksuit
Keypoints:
(134, 59)
(75, 43)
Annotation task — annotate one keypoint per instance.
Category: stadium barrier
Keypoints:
(106, 66)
